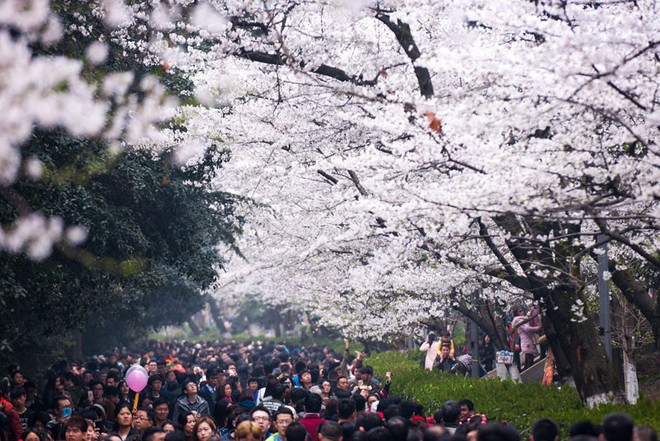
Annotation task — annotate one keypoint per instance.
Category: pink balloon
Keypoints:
(136, 378)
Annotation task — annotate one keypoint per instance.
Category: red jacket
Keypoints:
(312, 421)
(14, 420)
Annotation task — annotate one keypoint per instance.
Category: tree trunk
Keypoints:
(637, 294)
(194, 328)
(576, 337)
(591, 370)
(630, 370)
(216, 315)
(485, 319)
(561, 361)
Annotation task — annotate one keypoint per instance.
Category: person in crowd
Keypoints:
(248, 431)
(584, 431)
(18, 400)
(191, 402)
(32, 399)
(617, 427)
(204, 429)
(261, 416)
(342, 384)
(172, 385)
(221, 413)
(97, 389)
(186, 422)
(527, 334)
(208, 390)
(645, 433)
(155, 388)
(346, 411)
(544, 430)
(168, 426)
(330, 431)
(273, 396)
(144, 419)
(305, 379)
(451, 412)
(75, 429)
(123, 426)
(161, 411)
(296, 432)
(113, 378)
(487, 354)
(283, 418)
(91, 416)
(11, 420)
(124, 391)
(467, 410)
(62, 410)
(227, 392)
(367, 378)
(497, 432)
(312, 419)
(430, 349)
(326, 391)
(154, 434)
(110, 437)
(35, 435)
(445, 361)
(446, 341)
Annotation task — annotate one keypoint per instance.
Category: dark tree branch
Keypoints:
(498, 339)
(331, 179)
(627, 95)
(324, 69)
(356, 181)
(636, 293)
(251, 25)
(624, 240)
(485, 234)
(403, 35)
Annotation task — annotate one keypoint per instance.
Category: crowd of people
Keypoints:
(261, 391)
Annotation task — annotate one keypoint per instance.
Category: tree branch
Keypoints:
(636, 293)
(331, 179)
(356, 181)
(323, 69)
(403, 35)
(622, 239)
(483, 231)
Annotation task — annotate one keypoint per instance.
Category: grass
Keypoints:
(518, 404)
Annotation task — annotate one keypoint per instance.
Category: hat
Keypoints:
(100, 410)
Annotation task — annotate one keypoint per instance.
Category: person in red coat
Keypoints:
(14, 419)
(312, 419)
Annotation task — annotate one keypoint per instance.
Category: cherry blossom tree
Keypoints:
(411, 153)
(53, 80)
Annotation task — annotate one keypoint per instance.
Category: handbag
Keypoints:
(504, 357)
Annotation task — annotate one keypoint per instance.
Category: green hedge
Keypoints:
(519, 404)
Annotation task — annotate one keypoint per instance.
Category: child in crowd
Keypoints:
(446, 341)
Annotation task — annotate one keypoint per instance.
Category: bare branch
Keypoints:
(356, 181)
(332, 180)
(483, 230)
(624, 240)
(323, 69)
(404, 36)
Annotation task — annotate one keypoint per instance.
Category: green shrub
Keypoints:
(519, 404)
